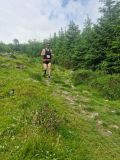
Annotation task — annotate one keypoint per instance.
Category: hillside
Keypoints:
(55, 120)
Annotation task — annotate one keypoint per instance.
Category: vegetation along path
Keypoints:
(55, 120)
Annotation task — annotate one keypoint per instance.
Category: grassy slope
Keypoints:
(53, 120)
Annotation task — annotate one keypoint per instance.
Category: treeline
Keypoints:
(32, 48)
(96, 47)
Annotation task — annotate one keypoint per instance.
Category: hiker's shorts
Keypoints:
(46, 62)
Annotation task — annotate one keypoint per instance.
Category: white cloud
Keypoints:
(29, 19)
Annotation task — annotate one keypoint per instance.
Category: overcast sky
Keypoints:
(37, 19)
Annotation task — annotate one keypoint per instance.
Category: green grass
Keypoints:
(53, 120)
(107, 85)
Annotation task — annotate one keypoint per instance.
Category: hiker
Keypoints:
(47, 55)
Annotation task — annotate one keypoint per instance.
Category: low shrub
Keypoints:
(111, 89)
(82, 76)
(107, 85)
(48, 118)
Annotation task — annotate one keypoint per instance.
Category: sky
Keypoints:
(38, 19)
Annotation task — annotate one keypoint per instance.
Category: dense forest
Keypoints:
(96, 47)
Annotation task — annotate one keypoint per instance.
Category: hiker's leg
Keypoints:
(45, 69)
(49, 69)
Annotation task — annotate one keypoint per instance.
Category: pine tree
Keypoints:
(72, 42)
(83, 55)
(109, 36)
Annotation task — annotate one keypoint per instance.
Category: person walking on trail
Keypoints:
(47, 56)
